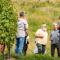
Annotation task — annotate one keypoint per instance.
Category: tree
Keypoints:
(7, 23)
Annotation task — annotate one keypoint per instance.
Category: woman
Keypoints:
(41, 39)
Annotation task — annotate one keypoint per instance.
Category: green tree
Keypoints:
(7, 23)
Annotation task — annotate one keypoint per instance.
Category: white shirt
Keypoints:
(22, 25)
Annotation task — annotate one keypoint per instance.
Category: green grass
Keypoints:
(33, 57)
(1, 57)
(37, 57)
(37, 13)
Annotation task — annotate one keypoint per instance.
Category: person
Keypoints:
(21, 33)
(41, 39)
(26, 42)
(54, 39)
(59, 27)
(59, 34)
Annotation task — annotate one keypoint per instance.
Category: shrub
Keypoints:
(7, 23)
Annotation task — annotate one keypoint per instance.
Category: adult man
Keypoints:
(55, 40)
(21, 33)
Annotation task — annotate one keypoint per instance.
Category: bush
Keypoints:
(7, 23)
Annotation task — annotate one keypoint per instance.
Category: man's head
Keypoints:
(22, 14)
(55, 26)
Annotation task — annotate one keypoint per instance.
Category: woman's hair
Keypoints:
(43, 25)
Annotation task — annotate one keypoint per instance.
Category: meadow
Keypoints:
(37, 13)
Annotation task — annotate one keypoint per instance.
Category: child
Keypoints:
(55, 39)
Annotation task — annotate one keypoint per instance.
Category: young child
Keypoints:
(55, 40)
(41, 39)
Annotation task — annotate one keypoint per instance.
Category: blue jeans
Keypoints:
(20, 45)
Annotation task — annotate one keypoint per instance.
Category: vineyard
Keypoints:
(37, 13)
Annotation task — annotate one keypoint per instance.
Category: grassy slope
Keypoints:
(37, 14)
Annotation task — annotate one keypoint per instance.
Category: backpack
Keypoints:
(39, 48)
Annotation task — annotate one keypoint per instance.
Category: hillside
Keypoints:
(44, 12)
(38, 12)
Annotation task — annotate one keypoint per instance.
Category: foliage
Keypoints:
(7, 22)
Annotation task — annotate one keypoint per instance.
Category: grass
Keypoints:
(33, 57)
(1, 57)
(37, 13)
(37, 57)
